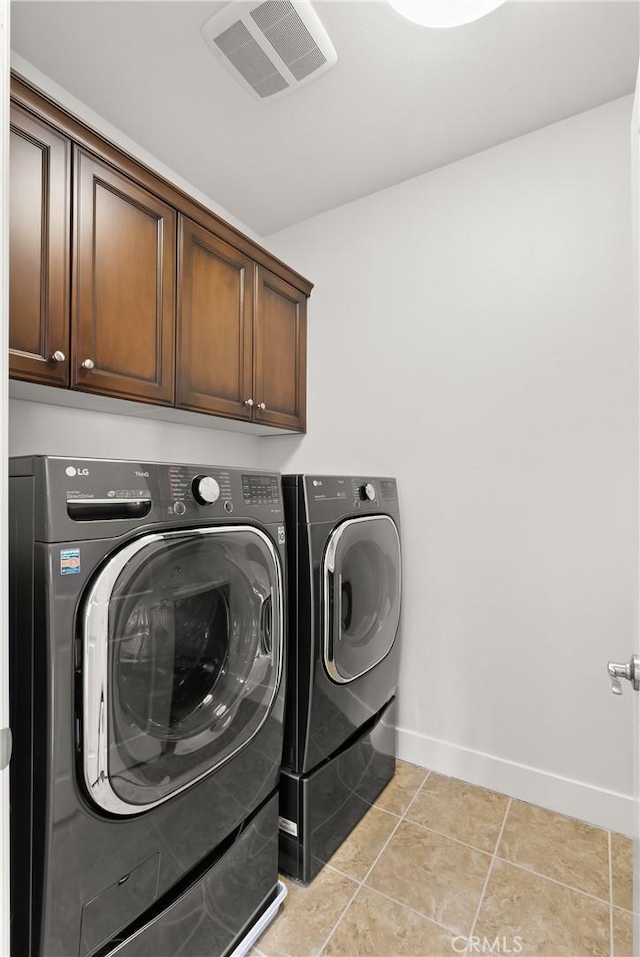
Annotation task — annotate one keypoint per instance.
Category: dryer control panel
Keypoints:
(330, 497)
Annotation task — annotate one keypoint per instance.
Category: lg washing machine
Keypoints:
(147, 702)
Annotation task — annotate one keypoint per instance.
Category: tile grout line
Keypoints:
(611, 947)
(486, 880)
(400, 818)
(361, 883)
(430, 920)
(521, 867)
(450, 837)
(545, 877)
(339, 920)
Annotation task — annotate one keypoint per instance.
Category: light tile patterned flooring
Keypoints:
(437, 862)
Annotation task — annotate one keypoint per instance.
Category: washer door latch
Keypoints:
(6, 745)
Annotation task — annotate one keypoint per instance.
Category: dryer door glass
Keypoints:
(182, 659)
(361, 595)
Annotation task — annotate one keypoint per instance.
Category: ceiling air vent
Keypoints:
(271, 48)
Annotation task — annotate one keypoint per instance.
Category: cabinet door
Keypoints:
(215, 310)
(280, 382)
(39, 249)
(123, 286)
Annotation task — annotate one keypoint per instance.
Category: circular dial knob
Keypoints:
(205, 489)
(367, 492)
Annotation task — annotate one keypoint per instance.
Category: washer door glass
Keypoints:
(182, 659)
(361, 595)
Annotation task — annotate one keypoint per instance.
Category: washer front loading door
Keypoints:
(362, 571)
(182, 659)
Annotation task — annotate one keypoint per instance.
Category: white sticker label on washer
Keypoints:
(289, 827)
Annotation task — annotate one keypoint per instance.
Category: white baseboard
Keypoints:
(607, 809)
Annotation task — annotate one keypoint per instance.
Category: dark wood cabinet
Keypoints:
(39, 237)
(241, 334)
(124, 286)
(280, 346)
(123, 311)
(215, 324)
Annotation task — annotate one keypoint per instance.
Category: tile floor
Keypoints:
(436, 862)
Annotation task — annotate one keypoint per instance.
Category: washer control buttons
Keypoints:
(205, 489)
(179, 508)
(228, 506)
(367, 492)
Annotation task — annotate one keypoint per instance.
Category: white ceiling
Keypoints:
(401, 100)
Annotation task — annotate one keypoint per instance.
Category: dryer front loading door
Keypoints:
(182, 658)
(361, 595)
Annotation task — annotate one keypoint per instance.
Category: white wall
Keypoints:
(471, 331)
(38, 429)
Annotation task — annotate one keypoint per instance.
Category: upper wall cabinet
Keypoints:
(241, 335)
(215, 322)
(280, 344)
(122, 285)
(123, 289)
(40, 217)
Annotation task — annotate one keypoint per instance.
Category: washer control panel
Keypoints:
(206, 489)
(368, 492)
(84, 498)
(205, 492)
(260, 489)
(189, 490)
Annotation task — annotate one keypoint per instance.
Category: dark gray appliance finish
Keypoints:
(229, 895)
(344, 560)
(147, 644)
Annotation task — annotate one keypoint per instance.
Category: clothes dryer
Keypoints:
(344, 559)
(147, 643)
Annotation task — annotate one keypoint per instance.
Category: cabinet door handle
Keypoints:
(58, 356)
(88, 364)
(261, 406)
(248, 402)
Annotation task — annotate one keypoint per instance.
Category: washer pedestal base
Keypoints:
(216, 914)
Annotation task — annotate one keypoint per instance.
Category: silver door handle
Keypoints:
(630, 672)
(58, 356)
(261, 406)
(88, 364)
(248, 402)
(338, 608)
(266, 625)
(334, 613)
